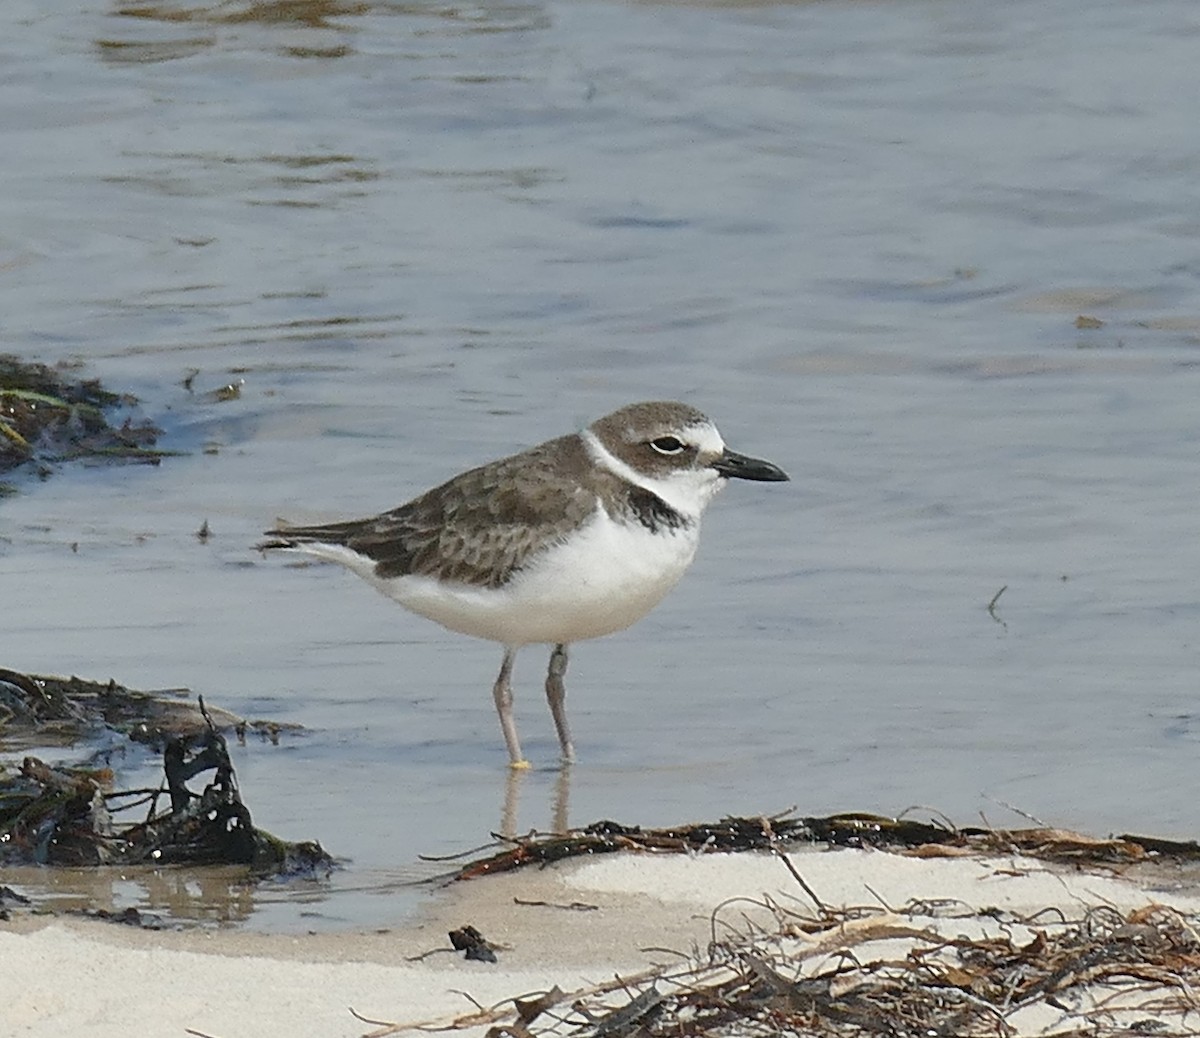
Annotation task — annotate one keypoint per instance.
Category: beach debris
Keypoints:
(128, 917)
(37, 710)
(9, 897)
(473, 944)
(570, 906)
(71, 814)
(991, 607)
(871, 971)
(229, 391)
(47, 416)
(529, 1009)
(851, 829)
(634, 1014)
(466, 939)
(929, 967)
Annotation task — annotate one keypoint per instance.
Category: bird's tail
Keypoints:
(285, 536)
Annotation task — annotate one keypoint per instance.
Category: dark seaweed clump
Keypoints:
(73, 815)
(47, 416)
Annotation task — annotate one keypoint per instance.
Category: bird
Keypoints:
(576, 538)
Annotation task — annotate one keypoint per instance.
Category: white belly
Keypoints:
(606, 577)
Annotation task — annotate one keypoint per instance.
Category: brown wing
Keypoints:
(479, 528)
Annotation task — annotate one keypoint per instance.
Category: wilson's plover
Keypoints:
(575, 538)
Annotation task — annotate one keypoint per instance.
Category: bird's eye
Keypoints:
(667, 445)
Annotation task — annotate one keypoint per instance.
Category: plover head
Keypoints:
(672, 450)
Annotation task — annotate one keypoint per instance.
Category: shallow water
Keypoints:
(857, 234)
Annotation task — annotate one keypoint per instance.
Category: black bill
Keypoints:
(741, 466)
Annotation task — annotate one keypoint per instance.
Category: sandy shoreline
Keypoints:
(601, 917)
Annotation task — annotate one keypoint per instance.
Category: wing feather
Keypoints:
(479, 528)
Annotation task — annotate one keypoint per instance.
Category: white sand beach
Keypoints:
(597, 918)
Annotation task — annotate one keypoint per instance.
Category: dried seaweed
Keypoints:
(928, 969)
(840, 830)
(868, 972)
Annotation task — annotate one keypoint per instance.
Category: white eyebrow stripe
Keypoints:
(707, 438)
